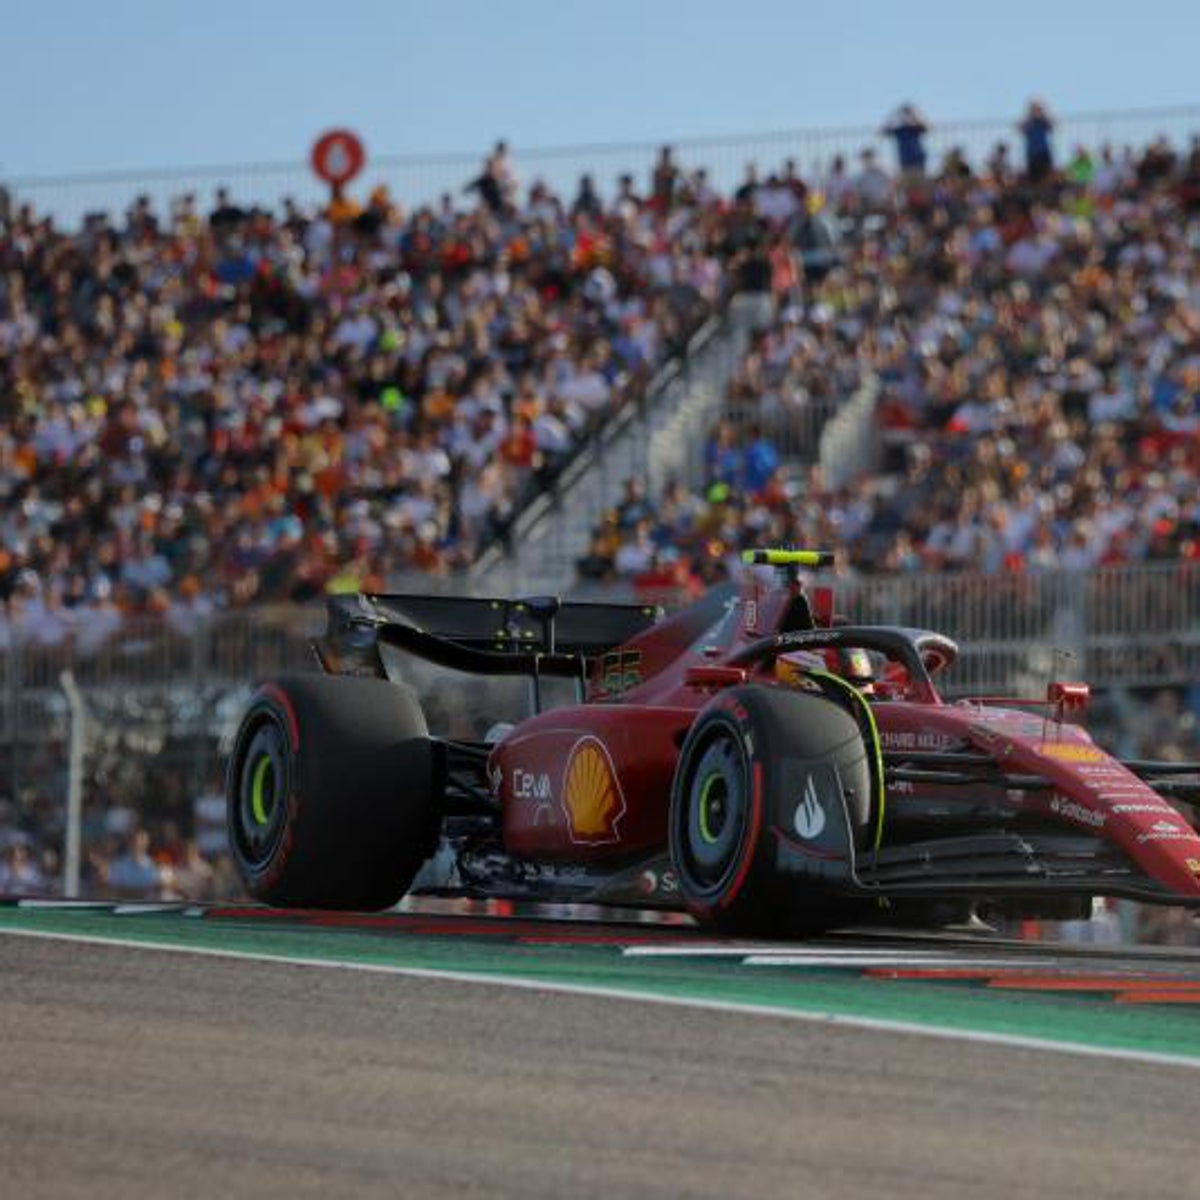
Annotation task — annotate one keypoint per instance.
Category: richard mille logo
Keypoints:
(810, 816)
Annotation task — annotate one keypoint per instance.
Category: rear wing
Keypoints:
(536, 635)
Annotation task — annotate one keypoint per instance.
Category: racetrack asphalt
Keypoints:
(132, 1073)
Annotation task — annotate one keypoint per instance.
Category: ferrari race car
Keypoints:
(752, 759)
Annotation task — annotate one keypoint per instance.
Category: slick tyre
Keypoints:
(739, 788)
(332, 793)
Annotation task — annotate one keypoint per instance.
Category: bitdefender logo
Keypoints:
(810, 816)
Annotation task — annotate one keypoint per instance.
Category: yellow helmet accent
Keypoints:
(788, 558)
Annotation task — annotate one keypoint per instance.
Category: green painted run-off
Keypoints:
(1081, 1019)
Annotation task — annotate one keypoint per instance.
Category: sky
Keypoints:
(136, 84)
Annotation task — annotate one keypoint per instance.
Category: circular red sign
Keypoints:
(337, 156)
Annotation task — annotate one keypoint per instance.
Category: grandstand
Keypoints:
(1035, 363)
(216, 414)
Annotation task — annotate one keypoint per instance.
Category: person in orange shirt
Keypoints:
(341, 208)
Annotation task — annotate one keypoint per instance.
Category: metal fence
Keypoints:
(659, 439)
(421, 179)
(160, 695)
(1136, 626)
(163, 697)
(1131, 626)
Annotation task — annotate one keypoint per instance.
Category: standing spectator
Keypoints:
(665, 179)
(907, 127)
(493, 182)
(587, 201)
(1189, 183)
(872, 184)
(1036, 128)
(748, 188)
(839, 187)
(999, 165)
(760, 460)
(505, 172)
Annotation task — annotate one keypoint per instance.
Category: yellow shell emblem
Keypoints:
(591, 795)
(1079, 752)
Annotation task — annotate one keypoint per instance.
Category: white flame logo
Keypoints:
(810, 816)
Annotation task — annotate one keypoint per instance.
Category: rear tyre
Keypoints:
(733, 792)
(332, 793)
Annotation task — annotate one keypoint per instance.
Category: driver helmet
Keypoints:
(851, 664)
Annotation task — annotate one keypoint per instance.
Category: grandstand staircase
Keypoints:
(660, 438)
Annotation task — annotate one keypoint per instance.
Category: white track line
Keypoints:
(739, 949)
(870, 960)
(878, 1025)
(141, 908)
(852, 956)
(767, 955)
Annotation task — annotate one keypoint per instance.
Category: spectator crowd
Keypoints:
(1034, 335)
(221, 407)
(214, 410)
(236, 407)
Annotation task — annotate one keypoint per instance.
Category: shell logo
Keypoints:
(591, 796)
(1072, 752)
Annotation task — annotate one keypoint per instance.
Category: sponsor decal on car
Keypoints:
(1077, 752)
(1074, 811)
(1142, 806)
(809, 820)
(1167, 831)
(656, 883)
(533, 787)
(620, 670)
(1106, 777)
(592, 800)
(1193, 865)
(924, 739)
(528, 786)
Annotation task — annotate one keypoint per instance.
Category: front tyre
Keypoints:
(332, 793)
(743, 781)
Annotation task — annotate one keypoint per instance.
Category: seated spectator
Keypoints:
(133, 872)
(1038, 375)
(317, 398)
(20, 874)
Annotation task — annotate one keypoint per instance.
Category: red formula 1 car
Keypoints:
(751, 758)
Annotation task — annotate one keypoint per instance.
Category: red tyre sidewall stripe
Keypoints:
(278, 696)
(751, 843)
(273, 869)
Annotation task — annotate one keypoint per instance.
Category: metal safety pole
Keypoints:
(74, 782)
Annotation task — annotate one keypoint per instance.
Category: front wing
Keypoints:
(999, 857)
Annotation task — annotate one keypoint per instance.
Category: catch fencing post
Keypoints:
(13, 695)
(78, 713)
